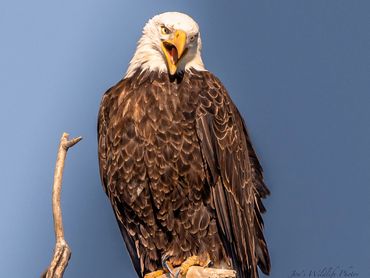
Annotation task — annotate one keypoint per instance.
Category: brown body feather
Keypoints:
(181, 174)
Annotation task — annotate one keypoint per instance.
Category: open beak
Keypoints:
(174, 49)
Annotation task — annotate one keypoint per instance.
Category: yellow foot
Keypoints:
(202, 260)
(154, 274)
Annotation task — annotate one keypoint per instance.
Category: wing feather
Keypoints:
(108, 144)
(235, 176)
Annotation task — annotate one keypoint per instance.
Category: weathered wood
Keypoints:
(200, 272)
(62, 252)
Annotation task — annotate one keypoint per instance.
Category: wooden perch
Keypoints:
(201, 272)
(62, 252)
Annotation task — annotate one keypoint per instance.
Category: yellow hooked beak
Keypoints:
(174, 49)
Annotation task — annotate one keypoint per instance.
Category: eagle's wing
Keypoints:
(235, 176)
(106, 144)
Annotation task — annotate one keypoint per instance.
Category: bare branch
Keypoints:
(62, 252)
(73, 142)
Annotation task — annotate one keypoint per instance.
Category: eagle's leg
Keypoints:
(202, 260)
(154, 274)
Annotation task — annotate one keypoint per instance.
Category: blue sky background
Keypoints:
(298, 70)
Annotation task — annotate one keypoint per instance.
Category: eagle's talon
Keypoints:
(189, 262)
(206, 261)
(167, 266)
(178, 274)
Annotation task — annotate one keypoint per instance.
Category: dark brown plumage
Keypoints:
(179, 169)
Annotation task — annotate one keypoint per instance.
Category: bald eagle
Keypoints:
(176, 161)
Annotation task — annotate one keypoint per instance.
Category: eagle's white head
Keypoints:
(170, 43)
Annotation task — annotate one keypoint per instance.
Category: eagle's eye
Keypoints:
(165, 30)
(192, 38)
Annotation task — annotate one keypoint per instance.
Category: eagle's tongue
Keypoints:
(174, 55)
